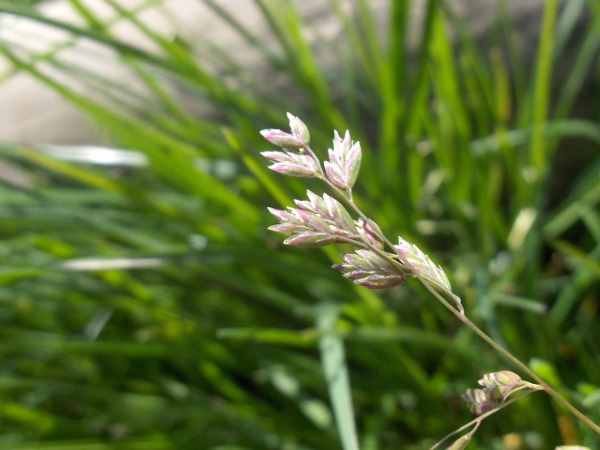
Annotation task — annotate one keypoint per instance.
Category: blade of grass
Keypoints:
(586, 53)
(541, 90)
(235, 24)
(284, 21)
(392, 78)
(582, 281)
(578, 256)
(585, 196)
(336, 375)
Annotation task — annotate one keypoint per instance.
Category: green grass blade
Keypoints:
(541, 92)
(336, 375)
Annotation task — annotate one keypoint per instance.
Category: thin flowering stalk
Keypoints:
(321, 221)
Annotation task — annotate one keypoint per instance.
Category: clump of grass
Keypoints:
(142, 303)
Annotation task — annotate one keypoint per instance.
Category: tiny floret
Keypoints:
(344, 162)
(299, 129)
(292, 164)
(424, 267)
(298, 138)
(282, 139)
(371, 270)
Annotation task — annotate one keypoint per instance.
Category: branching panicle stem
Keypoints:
(323, 221)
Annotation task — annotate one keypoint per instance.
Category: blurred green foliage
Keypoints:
(145, 306)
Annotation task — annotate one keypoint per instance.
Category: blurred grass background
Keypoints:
(144, 305)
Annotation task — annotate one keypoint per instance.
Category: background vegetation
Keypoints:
(143, 304)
